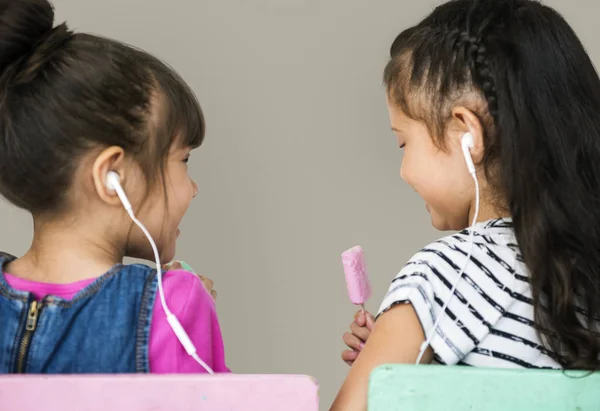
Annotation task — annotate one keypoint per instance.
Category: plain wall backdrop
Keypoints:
(299, 162)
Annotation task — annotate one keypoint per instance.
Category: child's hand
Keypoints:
(355, 340)
(208, 283)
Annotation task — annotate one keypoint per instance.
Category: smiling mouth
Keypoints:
(178, 232)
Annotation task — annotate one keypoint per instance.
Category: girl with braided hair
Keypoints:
(521, 286)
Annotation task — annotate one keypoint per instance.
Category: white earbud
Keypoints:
(113, 182)
(467, 143)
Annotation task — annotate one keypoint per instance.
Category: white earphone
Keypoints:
(113, 182)
(467, 143)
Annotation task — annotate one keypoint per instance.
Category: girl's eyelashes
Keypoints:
(402, 145)
(186, 159)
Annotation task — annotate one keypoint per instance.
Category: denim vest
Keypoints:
(103, 329)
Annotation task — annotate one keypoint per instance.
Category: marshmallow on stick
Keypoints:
(357, 278)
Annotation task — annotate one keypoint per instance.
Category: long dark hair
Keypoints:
(64, 93)
(539, 102)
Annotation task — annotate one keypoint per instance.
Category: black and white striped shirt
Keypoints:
(489, 321)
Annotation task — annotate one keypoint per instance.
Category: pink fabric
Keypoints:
(131, 392)
(187, 299)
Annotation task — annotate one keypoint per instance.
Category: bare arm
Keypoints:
(395, 339)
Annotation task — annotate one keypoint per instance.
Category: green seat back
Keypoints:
(456, 388)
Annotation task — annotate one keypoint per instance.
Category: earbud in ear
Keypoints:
(467, 143)
(113, 182)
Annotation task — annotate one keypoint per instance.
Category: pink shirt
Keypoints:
(187, 299)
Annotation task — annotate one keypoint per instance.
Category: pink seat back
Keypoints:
(158, 393)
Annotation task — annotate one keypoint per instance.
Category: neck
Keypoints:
(490, 206)
(63, 253)
(487, 212)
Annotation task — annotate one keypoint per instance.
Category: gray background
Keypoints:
(299, 162)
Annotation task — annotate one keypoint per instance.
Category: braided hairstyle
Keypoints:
(522, 70)
(476, 55)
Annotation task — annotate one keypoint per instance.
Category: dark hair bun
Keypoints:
(24, 24)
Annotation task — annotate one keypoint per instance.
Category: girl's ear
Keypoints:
(110, 159)
(465, 121)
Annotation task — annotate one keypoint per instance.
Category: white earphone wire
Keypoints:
(442, 315)
(178, 329)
